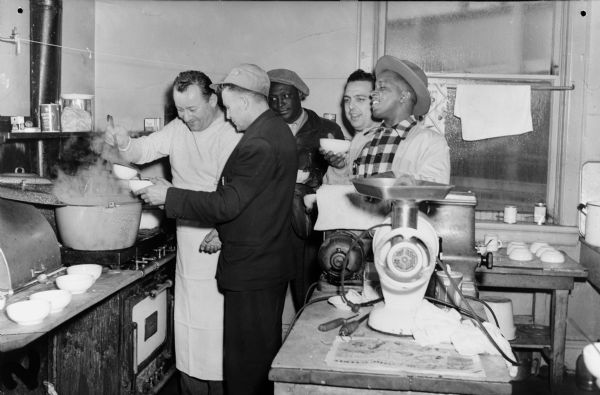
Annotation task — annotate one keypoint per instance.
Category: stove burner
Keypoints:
(151, 245)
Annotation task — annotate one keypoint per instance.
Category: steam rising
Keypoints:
(92, 182)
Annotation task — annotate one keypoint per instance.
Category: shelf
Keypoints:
(532, 336)
(7, 137)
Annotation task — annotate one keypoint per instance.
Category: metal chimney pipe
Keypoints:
(45, 27)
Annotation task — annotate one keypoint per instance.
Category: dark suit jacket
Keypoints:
(307, 141)
(251, 207)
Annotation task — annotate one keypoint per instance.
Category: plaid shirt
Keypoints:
(377, 156)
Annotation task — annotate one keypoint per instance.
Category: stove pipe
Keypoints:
(45, 27)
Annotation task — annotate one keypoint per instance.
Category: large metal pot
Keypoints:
(101, 227)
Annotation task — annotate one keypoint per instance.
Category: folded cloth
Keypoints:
(470, 340)
(488, 111)
(341, 207)
(433, 325)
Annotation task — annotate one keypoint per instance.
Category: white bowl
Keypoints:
(136, 185)
(123, 172)
(88, 268)
(591, 358)
(334, 145)
(521, 254)
(28, 312)
(552, 256)
(58, 298)
(543, 249)
(75, 283)
(514, 245)
(535, 246)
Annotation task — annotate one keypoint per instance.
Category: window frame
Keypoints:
(564, 151)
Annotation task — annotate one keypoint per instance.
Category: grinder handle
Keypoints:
(487, 260)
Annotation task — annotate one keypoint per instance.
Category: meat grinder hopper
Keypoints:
(404, 252)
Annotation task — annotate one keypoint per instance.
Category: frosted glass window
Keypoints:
(472, 37)
(486, 38)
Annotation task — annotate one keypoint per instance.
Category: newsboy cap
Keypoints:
(413, 75)
(248, 76)
(288, 77)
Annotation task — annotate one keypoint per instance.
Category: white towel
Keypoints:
(341, 207)
(488, 111)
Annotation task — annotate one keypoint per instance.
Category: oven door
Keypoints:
(148, 309)
(149, 319)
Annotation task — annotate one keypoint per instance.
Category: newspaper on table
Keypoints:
(388, 355)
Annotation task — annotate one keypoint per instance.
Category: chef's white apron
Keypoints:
(198, 307)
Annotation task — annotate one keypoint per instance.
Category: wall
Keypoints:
(14, 69)
(137, 62)
(78, 32)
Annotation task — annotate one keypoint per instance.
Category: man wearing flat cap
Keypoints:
(285, 98)
(401, 144)
(251, 210)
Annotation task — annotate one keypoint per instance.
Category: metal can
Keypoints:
(329, 116)
(50, 117)
(539, 213)
(510, 214)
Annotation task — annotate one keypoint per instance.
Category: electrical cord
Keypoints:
(309, 291)
(449, 304)
(356, 306)
(287, 332)
(477, 320)
(483, 302)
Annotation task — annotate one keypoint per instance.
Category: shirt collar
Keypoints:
(296, 125)
(402, 127)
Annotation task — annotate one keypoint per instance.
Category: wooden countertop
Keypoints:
(301, 362)
(13, 335)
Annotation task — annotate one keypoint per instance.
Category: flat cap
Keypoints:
(288, 77)
(248, 76)
(413, 75)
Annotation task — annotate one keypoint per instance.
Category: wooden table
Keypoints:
(300, 367)
(558, 279)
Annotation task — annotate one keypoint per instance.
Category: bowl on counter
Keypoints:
(334, 145)
(28, 312)
(58, 298)
(88, 268)
(75, 283)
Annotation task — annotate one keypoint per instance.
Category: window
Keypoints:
(488, 43)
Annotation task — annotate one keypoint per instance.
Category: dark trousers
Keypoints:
(252, 338)
(192, 386)
(307, 266)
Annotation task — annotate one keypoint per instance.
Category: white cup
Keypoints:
(492, 243)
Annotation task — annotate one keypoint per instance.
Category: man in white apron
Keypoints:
(198, 143)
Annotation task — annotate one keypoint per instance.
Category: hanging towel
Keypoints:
(488, 111)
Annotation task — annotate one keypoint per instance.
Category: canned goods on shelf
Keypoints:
(510, 214)
(539, 213)
(50, 117)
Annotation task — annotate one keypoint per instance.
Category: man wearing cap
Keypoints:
(285, 98)
(401, 144)
(198, 143)
(251, 210)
